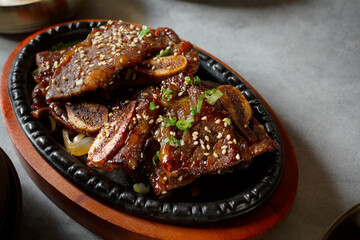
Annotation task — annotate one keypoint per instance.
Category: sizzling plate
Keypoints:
(221, 197)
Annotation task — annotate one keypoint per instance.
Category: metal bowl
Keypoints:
(347, 226)
(29, 15)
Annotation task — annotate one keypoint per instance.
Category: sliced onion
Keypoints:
(79, 146)
(53, 124)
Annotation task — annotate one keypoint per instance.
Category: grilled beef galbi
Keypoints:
(173, 129)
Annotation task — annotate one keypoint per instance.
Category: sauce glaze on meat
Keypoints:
(167, 130)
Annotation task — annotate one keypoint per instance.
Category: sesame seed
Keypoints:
(201, 142)
(116, 127)
(180, 93)
(207, 138)
(228, 137)
(219, 171)
(218, 121)
(206, 154)
(111, 114)
(229, 142)
(68, 103)
(234, 140)
(195, 133)
(208, 147)
(127, 101)
(151, 121)
(196, 143)
(163, 192)
(223, 151)
(79, 82)
(237, 156)
(204, 118)
(207, 129)
(215, 155)
(195, 59)
(224, 147)
(58, 89)
(180, 178)
(202, 146)
(47, 88)
(141, 155)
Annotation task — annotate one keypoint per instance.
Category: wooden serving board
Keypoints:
(110, 223)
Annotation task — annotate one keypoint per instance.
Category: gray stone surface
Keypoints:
(302, 56)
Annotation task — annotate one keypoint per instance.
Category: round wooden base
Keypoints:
(110, 223)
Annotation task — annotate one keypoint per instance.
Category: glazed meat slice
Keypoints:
(212, 145)
(181, 60)
(46, 62)
(96, 61)
(139, 125)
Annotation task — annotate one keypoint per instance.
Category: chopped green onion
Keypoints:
(164, 53)
(145, 30)
(152, 106)
(35, 72)
(170, 122)
(184, 124)
(188, 80)
(166, 95)
(200, 102)
(141, 188)
(193, 111)
(227, 120)
(164, 141)
(173, 142)
(213, 95)
(156, 157)
(197, 79)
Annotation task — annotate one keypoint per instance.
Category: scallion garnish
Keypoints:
(145, 30)
(188, 80)
(141, 188)
(213, 95)
(197, 79)
(164, 141)
(152, 106)
(200, 102)
(164, 53)
(227, 120)
(35, 72)
(184, 124)
(166, 95)
(170, 122)
(156, 157)
(175, 142)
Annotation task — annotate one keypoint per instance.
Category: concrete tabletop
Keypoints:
(302, 56)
